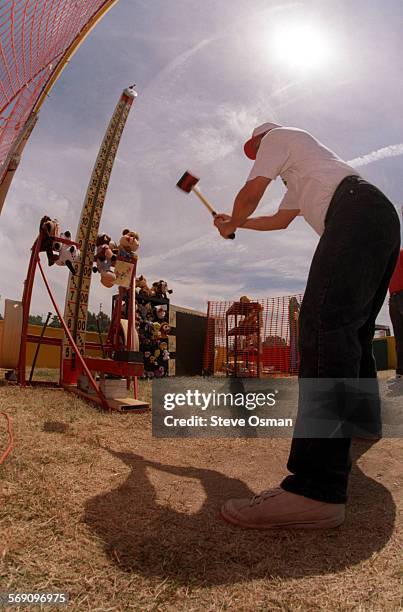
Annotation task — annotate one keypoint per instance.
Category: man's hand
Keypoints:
(224, 224)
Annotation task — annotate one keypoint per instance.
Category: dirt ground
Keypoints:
(91, 504)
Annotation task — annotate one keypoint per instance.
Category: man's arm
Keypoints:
(280, 220)
(244, 205)
(248, 198)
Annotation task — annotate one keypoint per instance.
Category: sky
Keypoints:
(207, 73)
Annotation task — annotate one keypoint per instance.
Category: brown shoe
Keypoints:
(278, 508)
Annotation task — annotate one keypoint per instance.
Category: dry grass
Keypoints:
(93, 505)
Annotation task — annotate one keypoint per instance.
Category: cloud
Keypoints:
(201, 91)
(195, 293)
(174, 69)
(389, 151)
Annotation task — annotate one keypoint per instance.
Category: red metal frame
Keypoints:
(26, 304)
(80, 358)
(113, 341)
(88, 364)
(109, 366)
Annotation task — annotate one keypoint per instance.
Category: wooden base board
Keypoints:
(125, 404)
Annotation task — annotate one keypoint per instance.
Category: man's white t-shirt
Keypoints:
(310, 171)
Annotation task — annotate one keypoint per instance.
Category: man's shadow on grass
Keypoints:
(143, 536)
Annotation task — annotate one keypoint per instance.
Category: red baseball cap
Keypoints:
(249, 148)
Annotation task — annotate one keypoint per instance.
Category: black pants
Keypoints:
(347, 284)
(396, 316)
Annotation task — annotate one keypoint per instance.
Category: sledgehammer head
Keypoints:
(187, 182)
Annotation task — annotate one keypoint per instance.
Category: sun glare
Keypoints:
(301, 46)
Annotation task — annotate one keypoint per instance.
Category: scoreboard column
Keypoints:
(76, 305)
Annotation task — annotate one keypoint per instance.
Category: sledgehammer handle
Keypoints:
(208, 206)
(205, 202)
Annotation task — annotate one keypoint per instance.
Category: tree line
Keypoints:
(102, 317)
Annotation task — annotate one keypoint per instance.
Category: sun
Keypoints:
(301, 46)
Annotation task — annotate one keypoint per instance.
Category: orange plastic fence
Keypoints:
(253, 338)
(34, 36)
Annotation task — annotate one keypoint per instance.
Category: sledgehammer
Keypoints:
(188, 183)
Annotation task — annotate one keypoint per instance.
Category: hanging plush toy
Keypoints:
(164, 330)
(161, 312)
(105, 260)
(155, 331)
(104, 252)
(128, 244)
(161, 289)
(68, 255)
(141, 311)
(142, 288)
(49, 229)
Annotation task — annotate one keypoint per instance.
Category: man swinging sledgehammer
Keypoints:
(348, 280)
